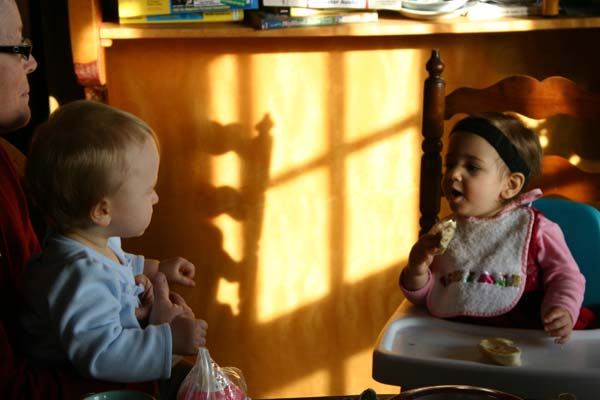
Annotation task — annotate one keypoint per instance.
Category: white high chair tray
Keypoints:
(415, 349)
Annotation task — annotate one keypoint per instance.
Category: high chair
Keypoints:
(415, 349)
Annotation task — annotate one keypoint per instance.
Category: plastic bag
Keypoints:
(207, 381)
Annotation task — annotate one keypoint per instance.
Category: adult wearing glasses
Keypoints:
(21, 378)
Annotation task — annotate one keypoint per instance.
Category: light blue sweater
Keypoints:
(81, 309)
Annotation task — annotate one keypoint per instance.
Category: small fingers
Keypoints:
(188, 270)
(554, 314)
(424, 251)
(178, 300)
(561, 335)
(161, 287)
(433, 244)
(560, 329)
(563, 339)
(430, 240)
(147, 297)
(185, 281)
(553, 325)
(203, 324)
(203, 330)
(150, 295)
(186, 273)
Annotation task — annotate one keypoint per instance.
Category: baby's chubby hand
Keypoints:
(178, 270)
(558, 323)
(146, 297)
(416, 273)
(166, 306)
(422, 253)
(188, 334)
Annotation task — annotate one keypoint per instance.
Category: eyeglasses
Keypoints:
(24, 49)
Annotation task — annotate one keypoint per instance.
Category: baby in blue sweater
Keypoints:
(92, 170)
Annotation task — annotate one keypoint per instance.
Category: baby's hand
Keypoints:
(146, 297)
(177, 300)
(422, 253)
(178, 270)
(558, 323)
(416, 273)
(188, 334)
(165, 309)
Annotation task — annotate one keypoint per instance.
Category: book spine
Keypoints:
(266, 23)
(305, 12)
(339, 4)
(297, 22)
(357, 17)
(205, 5)
(221, 16)
(137, 8)
(285, 3)
(280, 10)
(486, 11)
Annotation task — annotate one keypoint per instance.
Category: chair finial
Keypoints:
(435, 65)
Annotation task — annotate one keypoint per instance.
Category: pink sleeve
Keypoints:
(417, 296)
(564, 284)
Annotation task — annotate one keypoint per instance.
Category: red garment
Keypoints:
(20, 378)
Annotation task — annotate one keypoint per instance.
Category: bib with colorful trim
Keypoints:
(483, 271)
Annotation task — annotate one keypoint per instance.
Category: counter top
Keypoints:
(388, 25)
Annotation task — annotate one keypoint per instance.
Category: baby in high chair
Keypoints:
(506, 264)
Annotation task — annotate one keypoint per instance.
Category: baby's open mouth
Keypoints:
(455, 193)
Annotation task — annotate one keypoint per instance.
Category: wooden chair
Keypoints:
(415, 349)
(521, 94)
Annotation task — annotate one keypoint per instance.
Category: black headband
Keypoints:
(494, 136)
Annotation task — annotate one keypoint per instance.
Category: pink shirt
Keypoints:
(563, 283)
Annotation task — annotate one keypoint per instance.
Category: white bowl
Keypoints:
(433, 5)
(455, 392)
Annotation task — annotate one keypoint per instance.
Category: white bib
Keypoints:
(483, 271)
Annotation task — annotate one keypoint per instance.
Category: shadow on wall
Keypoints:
(318, 337)
(297, 222)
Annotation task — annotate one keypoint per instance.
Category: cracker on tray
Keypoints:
(501, 351)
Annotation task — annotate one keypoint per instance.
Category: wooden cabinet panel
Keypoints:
(289, 176)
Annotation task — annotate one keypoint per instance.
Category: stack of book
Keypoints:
(183, 11)
(337, 4)
(491, 9)
(291, 17)
(275, 14)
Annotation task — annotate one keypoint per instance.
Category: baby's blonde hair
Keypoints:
(78, 157)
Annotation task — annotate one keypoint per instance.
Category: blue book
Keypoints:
(264, 20)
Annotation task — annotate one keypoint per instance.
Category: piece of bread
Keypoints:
(446, 228)
(501, 351)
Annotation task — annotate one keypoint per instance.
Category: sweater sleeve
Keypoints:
(86, 305)
(417, 296)
(564, 284)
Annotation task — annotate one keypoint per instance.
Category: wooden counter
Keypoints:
(386, 26)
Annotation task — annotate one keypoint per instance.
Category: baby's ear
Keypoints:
(100, 213)
(513, 185)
